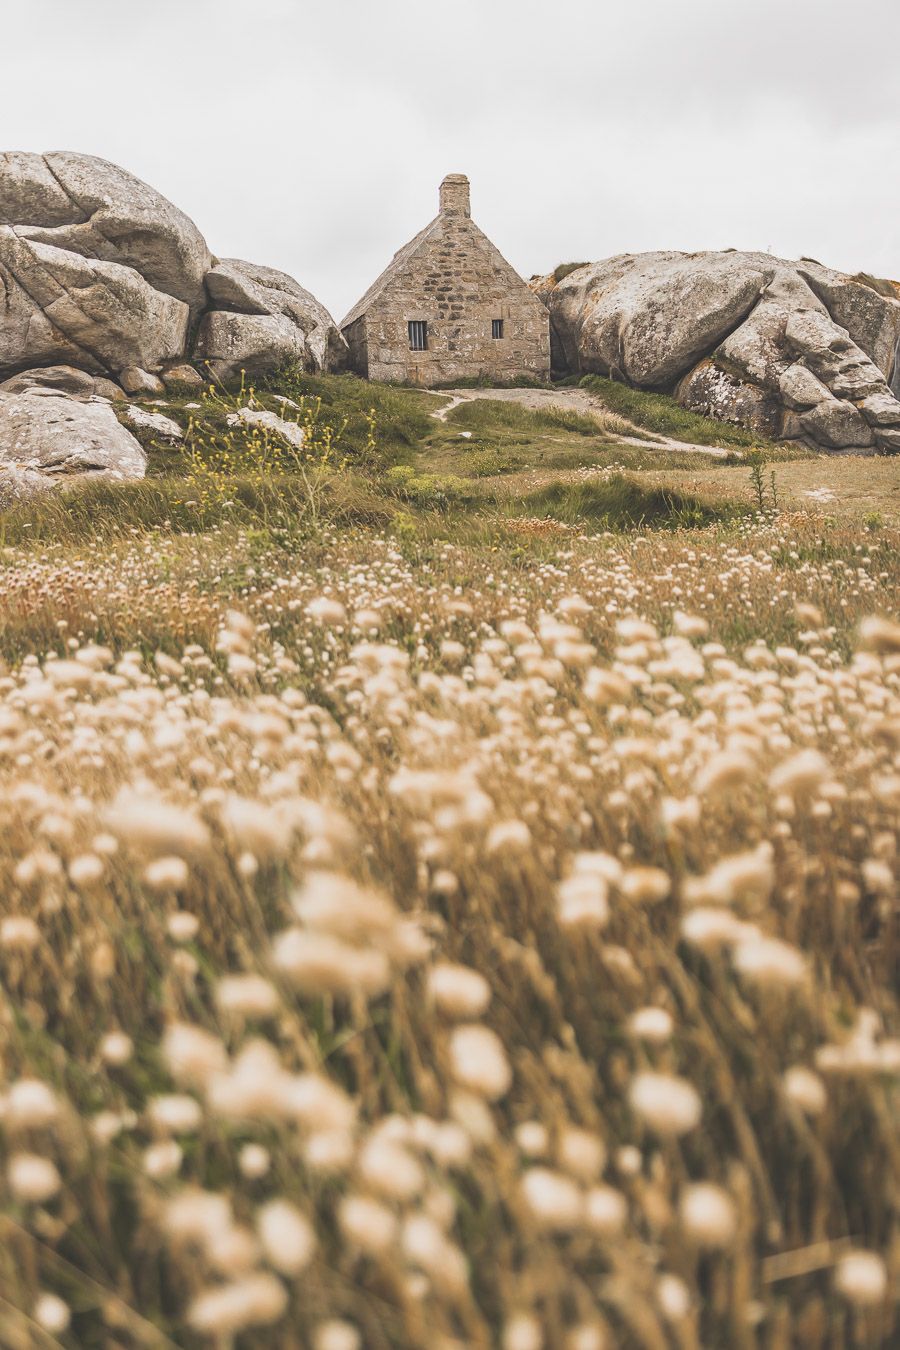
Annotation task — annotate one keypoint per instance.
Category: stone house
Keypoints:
(449, 306)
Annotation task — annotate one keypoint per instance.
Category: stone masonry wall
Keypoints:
(456, 281)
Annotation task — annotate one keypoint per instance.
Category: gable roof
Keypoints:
(393, 269)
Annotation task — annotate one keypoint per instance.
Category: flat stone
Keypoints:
(166, 428)
(291, 432)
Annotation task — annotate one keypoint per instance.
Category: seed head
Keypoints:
(31, 1104)
(707, 1215)
(556, 1202)
(478, 1061)
(51, 1313)
(256, 1300)
(287, 1237)
(668, 1105)
(861, 1277)
(458, 991)
(31, 1178)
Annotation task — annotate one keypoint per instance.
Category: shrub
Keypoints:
(564, 269)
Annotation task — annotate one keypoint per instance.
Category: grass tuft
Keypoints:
(620, 503)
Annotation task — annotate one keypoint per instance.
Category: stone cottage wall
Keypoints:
(456, 281)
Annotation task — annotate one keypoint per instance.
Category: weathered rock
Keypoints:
(164, 428)
(100, 272)
(880, 410)
(182, 376)
(799, 387)
(714, 392)
(650, 317)
(48, 438)
(889, 438)
(837, 425)
(781, 347)
(137, 381)
(61, 307)
(87, 206)
(756, 346)
(261, 319)
(108, 389)
(854, 305)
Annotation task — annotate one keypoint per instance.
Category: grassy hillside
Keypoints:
(447, 893)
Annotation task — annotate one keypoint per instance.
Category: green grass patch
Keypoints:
(486, 414)
(484, 437)
(661, 414)
(400, 415)
(430, 491)
(104, 511)
(619, 503)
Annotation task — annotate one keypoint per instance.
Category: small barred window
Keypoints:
(418, 335)
(496, 328)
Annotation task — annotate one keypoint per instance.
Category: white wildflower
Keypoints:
(52, 1314)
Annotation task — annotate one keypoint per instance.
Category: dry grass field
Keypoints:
(428, 924)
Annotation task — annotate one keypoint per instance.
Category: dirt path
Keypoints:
(581, 401)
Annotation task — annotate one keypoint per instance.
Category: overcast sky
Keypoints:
(311, 135)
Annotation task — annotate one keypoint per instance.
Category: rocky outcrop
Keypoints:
(49, 438)
(260, 318)
(100, 272)
(788, 349)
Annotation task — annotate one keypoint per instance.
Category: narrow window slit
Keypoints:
(496, 328)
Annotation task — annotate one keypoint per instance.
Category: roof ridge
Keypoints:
(400, 257)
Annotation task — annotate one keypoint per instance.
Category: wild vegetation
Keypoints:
(662, 414)
(465, 919)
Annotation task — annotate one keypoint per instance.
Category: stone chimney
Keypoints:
(455, 195)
